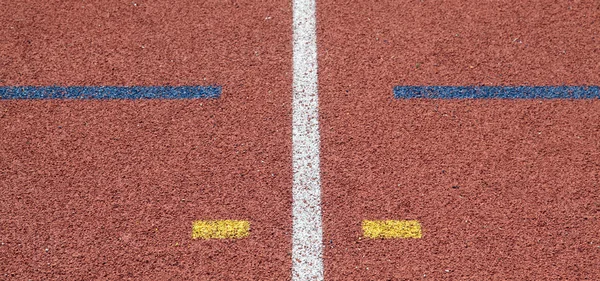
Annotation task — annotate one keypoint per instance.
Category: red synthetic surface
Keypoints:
(105, 189)
(526, 173)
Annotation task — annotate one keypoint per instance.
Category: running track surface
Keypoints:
(97, 189)
(111, 188)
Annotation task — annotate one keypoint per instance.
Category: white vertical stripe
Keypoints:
(307, 248)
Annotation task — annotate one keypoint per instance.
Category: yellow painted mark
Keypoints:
(388, 229)
(220, 229)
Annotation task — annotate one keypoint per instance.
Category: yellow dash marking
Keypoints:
(388, 229)
(220, 229)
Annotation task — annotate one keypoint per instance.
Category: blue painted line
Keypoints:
(110, 92)
(497, 92)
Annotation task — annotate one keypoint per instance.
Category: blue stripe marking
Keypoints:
(110, 92)
(497, 92)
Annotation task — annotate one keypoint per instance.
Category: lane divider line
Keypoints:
(497, 92)
(109, 92)
(307, 229)
(391, 229)
(220, 229)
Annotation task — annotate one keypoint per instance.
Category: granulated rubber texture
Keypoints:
(108, 190)
(503, 189)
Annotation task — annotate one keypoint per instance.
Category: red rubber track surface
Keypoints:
(526, 173)
(109, 189)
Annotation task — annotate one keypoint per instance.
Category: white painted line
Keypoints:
(307, 237)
